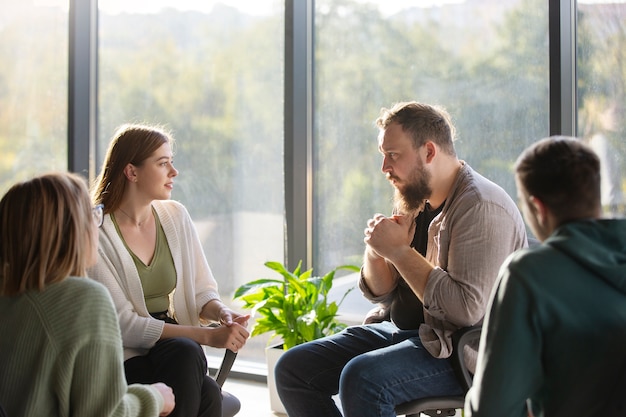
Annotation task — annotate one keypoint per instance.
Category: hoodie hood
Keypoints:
(597, 245)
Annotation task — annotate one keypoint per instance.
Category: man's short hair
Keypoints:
(564, 174)
(423, 122)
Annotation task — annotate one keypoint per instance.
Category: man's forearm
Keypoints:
(377, 274)
(415, 270)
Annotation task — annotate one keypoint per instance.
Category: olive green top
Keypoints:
(158, 279)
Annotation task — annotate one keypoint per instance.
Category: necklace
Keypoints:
(138, 223)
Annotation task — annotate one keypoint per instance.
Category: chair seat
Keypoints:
(433, 406)
(230, 404)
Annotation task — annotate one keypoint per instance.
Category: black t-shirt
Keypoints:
(407, 311)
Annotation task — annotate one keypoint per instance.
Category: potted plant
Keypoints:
(294, 307)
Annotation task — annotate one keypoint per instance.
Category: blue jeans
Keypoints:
(373, 367)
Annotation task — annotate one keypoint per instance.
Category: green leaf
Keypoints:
(295, 307)
(256, 285)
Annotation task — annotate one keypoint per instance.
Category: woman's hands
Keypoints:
(238, 324)
(236, 333)
(232, 337)
(228, 316)
(168, 398)
(232, 333)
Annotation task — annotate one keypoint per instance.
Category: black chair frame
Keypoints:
(230, 404)
(227, 363)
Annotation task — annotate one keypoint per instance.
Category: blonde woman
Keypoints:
(60, 350)
(151, 259)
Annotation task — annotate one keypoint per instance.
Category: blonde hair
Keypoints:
(131, 144)
(46, 229)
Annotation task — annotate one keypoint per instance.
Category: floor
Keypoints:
(254, 397)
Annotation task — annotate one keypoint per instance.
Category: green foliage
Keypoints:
(296, 307)
(216, 80)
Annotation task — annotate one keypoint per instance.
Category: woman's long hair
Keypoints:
(131, 144)
(46, 232)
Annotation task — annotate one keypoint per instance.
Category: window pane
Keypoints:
(214, 77)
(33, 89)
(486, 62)
(601, 70)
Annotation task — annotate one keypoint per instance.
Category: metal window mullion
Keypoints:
(82, 86)
(298, 131)
(563, 93)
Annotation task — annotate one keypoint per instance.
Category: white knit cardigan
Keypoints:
(195, 284)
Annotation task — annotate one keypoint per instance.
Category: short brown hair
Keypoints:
(131, 144)
(423, 122)
(564, 174)
(46, 228)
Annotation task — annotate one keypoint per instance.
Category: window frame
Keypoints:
(298, 104)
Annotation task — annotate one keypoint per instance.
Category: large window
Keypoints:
(486, 62)
(602, 94)
(33, 88)
(213, 77)
(213, 73)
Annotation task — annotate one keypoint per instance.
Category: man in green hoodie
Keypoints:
(554, 336)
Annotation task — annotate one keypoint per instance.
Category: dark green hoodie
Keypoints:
(556, 330)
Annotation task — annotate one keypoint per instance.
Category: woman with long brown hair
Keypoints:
(151, 259)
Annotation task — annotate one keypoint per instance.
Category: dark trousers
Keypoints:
(181, 364)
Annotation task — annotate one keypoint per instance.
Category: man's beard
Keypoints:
(410, 197)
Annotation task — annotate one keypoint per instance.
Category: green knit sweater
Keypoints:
(61, 355)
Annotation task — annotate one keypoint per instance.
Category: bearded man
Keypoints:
(430, 267)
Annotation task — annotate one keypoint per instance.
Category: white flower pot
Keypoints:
(272, 353)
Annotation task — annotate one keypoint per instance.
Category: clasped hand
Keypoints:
(232, 333)
(385, 235)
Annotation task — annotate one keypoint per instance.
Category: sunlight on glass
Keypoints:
(213, 75)
(468, 56)
(601, 95)
(253, 7)
(33, 88)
